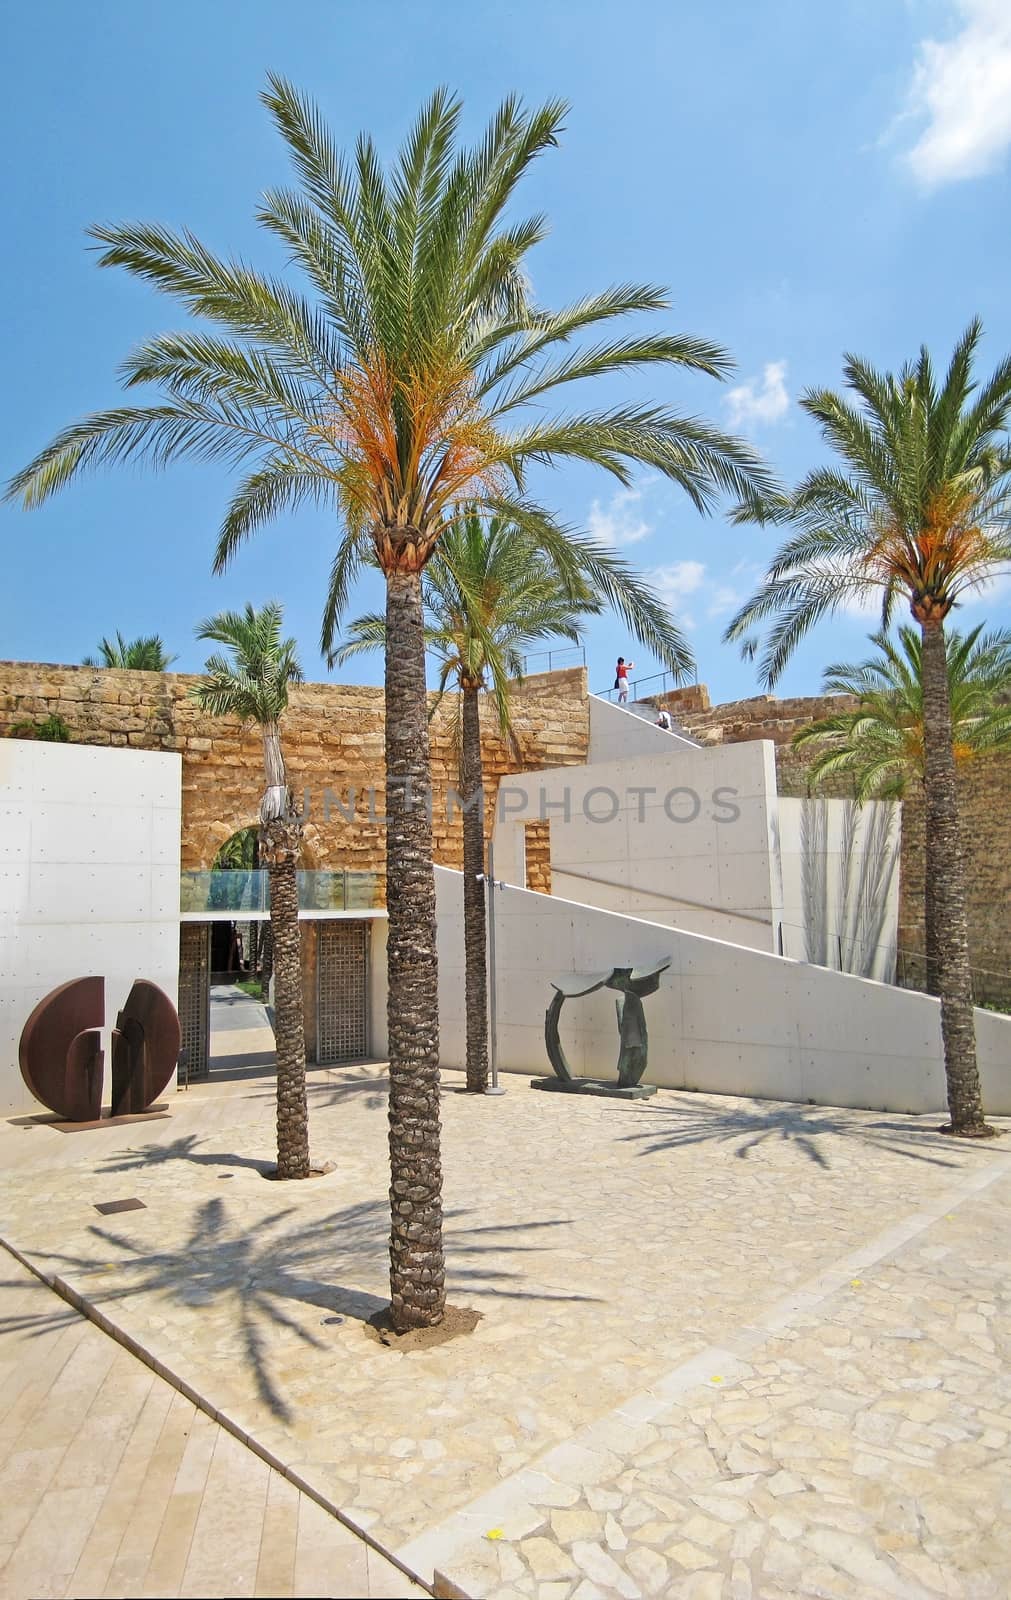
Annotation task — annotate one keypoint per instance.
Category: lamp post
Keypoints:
(494, 1086)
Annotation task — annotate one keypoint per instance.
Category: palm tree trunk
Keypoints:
(266, 959)
(474, 929)
(945, 864)
(929, 936)
(417, 1268)
(280, 840)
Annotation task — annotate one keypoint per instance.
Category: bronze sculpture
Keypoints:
(632, 984)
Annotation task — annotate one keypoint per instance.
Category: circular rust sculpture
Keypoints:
(61, 1056)
(60, 1052)
(145, 1048)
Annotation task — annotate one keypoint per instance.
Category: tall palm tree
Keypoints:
(251, 683)
(919, 510)
(489, 594)
(879, 745)
(144, 654)
(414, 377)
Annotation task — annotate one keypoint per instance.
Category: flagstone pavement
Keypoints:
(728, 1349)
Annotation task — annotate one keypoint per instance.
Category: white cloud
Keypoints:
(725, 599)
(962, 87)
(729, 592)
(619, 523)
(673, 582)
(760, 402)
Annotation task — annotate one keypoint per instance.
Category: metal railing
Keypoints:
(664, 681)
(238, 893)
(556, 658)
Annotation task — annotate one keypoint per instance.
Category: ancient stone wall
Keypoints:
(761, 717)
(538, 855)
(984, 787)
(333, 740)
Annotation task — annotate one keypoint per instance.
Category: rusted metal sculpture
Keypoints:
(145, 1048)
(61, 1055)
(632, 984)
(61, 1050)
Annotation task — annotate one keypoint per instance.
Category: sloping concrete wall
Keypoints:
(726, 1020)
(89, 882)
(616, 732)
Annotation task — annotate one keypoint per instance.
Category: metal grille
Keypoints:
(341, 991)
(195, 996)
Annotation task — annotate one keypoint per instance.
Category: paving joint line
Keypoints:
(494, 1505)
(66, 1291)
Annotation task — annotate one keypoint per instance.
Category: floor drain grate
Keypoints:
(108, 1207)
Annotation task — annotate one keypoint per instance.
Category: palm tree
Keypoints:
(414, 377)
(251, 683)
(144, 654)
(489, 594)
(879, 745)
(239, 853)
(919, 510)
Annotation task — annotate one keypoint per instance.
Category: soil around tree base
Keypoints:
(981, 1130)
(273, 1176)
(456, 1320)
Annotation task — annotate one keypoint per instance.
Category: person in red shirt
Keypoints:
(621, 679)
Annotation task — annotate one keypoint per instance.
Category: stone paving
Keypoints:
(703, 1368)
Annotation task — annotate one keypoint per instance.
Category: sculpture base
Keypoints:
(59, 1124)
(601, 1086)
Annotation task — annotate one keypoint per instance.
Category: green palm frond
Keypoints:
(490, 593)
(880, 743)
(919, 508)
(144, 654)
(251, 681)
(408, 376)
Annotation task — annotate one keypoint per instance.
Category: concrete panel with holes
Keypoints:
(89, 881)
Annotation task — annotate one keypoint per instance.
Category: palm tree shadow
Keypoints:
(185, 1148)
(61, 1315)
(265, 1272)
(746, 1128)
(330, 1091)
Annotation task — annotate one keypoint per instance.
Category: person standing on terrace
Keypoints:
(621, 679)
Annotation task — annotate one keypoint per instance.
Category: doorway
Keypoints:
(342, 990)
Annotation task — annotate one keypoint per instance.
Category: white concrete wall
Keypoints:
(616, 732)
(686, 835)
(726, 1020)
(840, 865)
(89, 881)
(379, 1042)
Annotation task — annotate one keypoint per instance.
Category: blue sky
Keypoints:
(807, 179)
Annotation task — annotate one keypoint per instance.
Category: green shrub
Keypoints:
(53, 730)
